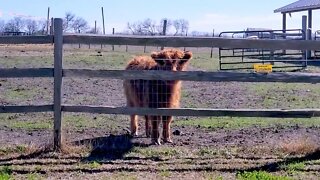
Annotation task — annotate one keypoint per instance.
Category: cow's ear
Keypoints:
(155, 55)
(187, 55)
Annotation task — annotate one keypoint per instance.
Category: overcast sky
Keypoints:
(203, 15)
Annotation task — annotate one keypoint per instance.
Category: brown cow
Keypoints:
(156, 93)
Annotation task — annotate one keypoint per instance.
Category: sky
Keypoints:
(202, 15)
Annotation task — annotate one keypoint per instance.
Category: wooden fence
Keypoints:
(58, 73)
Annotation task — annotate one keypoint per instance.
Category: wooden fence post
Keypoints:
(58, 49)
(164, 30)
(113, 34)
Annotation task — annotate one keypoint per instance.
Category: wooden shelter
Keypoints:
(299, 6)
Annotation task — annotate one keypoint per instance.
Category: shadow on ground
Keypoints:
(111, 147)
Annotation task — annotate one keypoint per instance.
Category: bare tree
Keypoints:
(94, 30)
(200, 34)
(80, 24)
(31, 26)
(42, 25)
(68, 21)
(149, 27)
(15, 25)
(181, 26)
(135, 28)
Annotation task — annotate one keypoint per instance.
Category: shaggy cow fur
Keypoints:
(156, 93)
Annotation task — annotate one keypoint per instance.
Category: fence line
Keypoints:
(58, 73)
(169, 41)
(289, 113)
(158, 75)
(174, 41)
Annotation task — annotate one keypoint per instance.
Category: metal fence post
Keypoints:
(58, 49)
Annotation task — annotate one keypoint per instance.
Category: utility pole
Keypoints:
(104, 29)
(48, 15)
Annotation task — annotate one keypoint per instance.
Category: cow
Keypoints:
(156, 93)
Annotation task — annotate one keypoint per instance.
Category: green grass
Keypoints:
(81, 121)
(245, 122)
(203, 61)
(34, 176)
(294, 166)
(30, 125)
(19, 94)
(15, 121)
(92, 165)
(92, 60)
(260, 175)
(28, 61)
(288, 95)
(5, 173)
(19, 149)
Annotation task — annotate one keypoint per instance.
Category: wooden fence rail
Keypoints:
(158, 75)
(58, 73)
(284, 113)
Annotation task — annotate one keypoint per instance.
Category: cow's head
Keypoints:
(172, 59)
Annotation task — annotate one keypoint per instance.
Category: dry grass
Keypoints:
(299, 146)
(75, 150)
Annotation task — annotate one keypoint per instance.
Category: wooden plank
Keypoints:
(196, 76)
(174, 41)
(195, 112)
(26, 39)
(25, 109)
(58, 50)
(17, 72)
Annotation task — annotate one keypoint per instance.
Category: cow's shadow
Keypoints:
(111, 147)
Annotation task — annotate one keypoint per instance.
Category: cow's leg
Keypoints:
(155, 135)
(134, 125)
(166, 132)
(148, 126)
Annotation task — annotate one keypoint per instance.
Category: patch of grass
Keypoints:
(287, 95)
(18, 121)
(260, 175)
(19, 94)
(34, 176)
(203, 61)
(300, 146)
(207, 152)
(164, 173)
(295, 166)
(94, 165)
(20, 149)
(94, 60)
(165, 152)
(83, 121)
(245, 122)
(30, 125)
(5, 173)
(27, 61)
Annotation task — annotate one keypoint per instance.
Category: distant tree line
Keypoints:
(75, 24)
(151, 27)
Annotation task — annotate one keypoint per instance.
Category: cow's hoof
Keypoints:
(134, 134)
(169, 140)
(155, 142)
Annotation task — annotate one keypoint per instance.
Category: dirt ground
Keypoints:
(107, 151)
